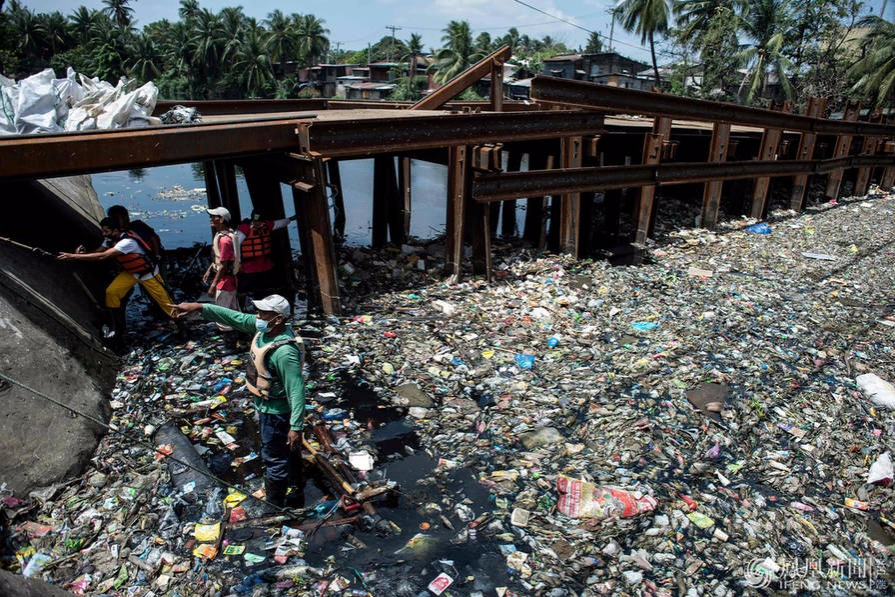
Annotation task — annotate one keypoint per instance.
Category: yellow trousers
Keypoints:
(125, 281)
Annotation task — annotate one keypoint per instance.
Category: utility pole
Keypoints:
(391, 55)
(611, 27)
(338, 45)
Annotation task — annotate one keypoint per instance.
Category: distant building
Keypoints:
(368, 90)
(605, 68)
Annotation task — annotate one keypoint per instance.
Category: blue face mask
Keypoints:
(262, 325)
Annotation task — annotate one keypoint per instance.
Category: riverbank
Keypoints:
(556, 367)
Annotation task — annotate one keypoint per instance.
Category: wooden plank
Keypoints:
(459, 172)
(843, 147)
(570, 203)
(770, 141)
(807, 142)
(711, 197)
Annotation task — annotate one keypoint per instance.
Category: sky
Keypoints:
(353, 24)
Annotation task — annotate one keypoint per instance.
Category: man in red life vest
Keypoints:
(138, 267)
(256, 248)
(226, 261)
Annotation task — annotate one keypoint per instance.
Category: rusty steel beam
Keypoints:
(513, 185)
(711, 196)
(353, 138)
(65, 154)
(570, 156)
(842, 150)
(582, 94)
(458, 84)
(457, 106)
(770, 142)
(805, 151)
(239, 107)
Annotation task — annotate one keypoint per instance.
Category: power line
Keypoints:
(536, 9)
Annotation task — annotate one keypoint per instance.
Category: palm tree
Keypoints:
(483, 43)
(876, 71)
(282, 40)
(207, 41)
(648, 18)
(232, 27)
(120, 12)
(694, 17)
(55, 29)
(458, 52)
(30, 29)
(312, 40)
(414, 49)
(766, 24)
(253, 62)
(144, 58)
(81, 23)
(188, 9)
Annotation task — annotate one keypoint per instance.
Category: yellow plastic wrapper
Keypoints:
(207, 533)
(234, 498)
(206, 550)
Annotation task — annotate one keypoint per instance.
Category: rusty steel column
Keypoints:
(868, 147)
(406, 194)
(711, 197)
(480, 233)
(807, 142)
(652, 154)
(570, 203)
(534, 206)
(459, 174)
(508, 223)
(211, 184)
(334, 182)
(770, 141)
(226, 175)
(309, 194)
(843, 147)
(497, 86)
(888, 177)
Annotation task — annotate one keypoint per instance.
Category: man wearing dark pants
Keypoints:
(274, 377)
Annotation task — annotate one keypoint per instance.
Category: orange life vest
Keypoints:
(257, 243)
(138, 264)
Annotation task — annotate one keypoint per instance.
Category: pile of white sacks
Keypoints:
(44, 104)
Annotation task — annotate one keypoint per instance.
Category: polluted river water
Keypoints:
(713, 386)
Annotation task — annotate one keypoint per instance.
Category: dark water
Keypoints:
(182, 221)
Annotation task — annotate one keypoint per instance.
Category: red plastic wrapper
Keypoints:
(580, 499)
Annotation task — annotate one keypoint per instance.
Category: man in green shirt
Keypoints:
(274, 377)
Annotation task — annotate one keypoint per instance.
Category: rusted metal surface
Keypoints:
(512, 185)
(45, 156)
(868, 147)
(459, 174)
(770, 143)
(497, 85)
(843, 147)
(570, 203)
(805, 151)
(253, 106)
(365, 137)
(711, 197)
(629, 101)
(458, 84)
(654, 150)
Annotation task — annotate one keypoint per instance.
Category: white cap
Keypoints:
(274, 303)
(220, 211)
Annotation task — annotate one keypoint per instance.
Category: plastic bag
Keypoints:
(760, 228)
(580, 499)
(881, 471)
(880, 392)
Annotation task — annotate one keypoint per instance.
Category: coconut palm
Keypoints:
(693, 18)
(253, 61)
(144, 59)
(312, 40)
(766, 25)
(188, 9)
(232, 27)
(55, 32)
(648, 18)
(207, 41)
(282, 41)
(81, 21)
(876, 71)
(458, 52)
(119, 12)
(414, 49)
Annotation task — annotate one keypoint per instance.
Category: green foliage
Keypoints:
(594, 44)
(876, 70)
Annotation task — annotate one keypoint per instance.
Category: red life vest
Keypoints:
(138, 264)
(257, 242)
